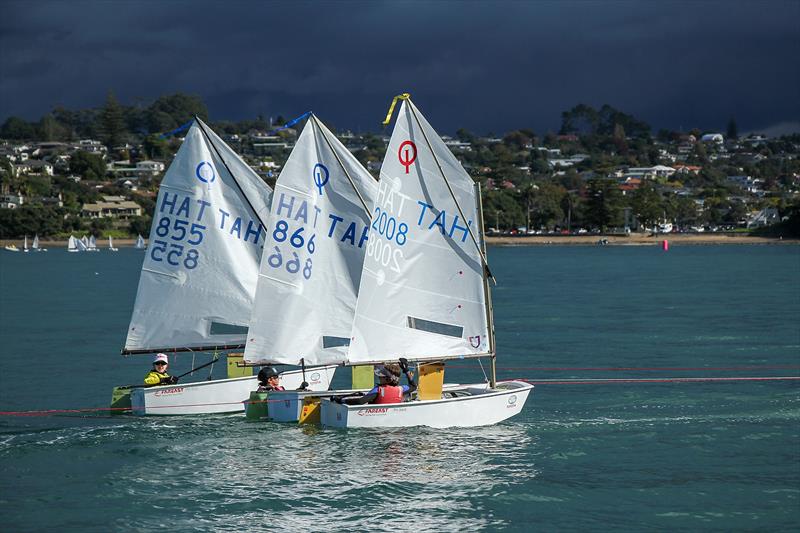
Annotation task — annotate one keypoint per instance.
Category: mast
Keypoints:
(487, 293)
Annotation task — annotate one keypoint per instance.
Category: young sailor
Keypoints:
(268, 380)
(389, 389)
(158, 375)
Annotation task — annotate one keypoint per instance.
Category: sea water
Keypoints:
(600, 456)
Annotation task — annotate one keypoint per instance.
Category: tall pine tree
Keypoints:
(112, 122)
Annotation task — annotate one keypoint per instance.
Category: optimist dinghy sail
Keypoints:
(313, 255)
(199, 274)
(424, 292)
(139, 243)
(35, 245)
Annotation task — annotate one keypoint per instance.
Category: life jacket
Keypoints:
(390, 394)
(267, 388)
(154, 378)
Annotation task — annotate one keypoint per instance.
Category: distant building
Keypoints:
(715, 138)
(153, 167)
(765, 217)
(11, 201)
(112, 207)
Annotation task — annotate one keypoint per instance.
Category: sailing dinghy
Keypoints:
(198, 279)
(72, 244)
(35, 245)
(312, 262)
(111, 245)
(25, 245)
(424, 291)
(139, 243)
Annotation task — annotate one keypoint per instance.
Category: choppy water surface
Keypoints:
(722, 456)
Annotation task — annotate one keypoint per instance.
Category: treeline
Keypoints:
(113, 123)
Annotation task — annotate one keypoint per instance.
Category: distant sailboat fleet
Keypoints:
(84, 244)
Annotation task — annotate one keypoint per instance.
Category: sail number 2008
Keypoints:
(384, 253)
(173, 252)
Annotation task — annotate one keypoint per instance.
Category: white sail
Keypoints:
(199, 274)
(72, 244)
(81, 244)
(139, 243)
(25, 245)
(35, 245)
(421, 293)
(313, 256)
(111, 244)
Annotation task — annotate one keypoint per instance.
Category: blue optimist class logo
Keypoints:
(205, 172)
(319, 171)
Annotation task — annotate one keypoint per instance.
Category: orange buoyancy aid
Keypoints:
(390, 394)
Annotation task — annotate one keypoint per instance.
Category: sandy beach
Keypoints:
(637, 239)
(633, 239)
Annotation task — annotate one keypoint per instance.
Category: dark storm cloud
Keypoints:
(480, 65)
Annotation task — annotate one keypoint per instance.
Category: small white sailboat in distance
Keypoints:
(11, 248)
(92, 245)
(25, 245)
(111, 245)
(35, 245)
(139, 243)
(74, 245)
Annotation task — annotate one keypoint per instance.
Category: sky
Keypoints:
(489, 67)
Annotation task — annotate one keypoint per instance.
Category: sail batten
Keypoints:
(311, 267)
(422, 288)
(201, 264)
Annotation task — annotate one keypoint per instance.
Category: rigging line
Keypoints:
(655, 380)
(317, 123)
(641, 369)
(452, 194)
(238, 186)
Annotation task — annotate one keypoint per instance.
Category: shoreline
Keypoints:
(633, 239)
(637, 239)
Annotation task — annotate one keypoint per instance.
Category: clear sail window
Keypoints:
(334, 342)
(439, 328)
(220, 328)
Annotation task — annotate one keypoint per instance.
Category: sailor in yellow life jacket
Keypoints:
(158, 375)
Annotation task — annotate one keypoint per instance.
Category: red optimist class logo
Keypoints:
(408, 156)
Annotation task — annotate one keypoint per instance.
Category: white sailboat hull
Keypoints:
(217, 396)
(478, 406)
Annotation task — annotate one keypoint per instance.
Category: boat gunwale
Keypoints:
(524, 387)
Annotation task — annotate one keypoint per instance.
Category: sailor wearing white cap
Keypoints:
(158, 375)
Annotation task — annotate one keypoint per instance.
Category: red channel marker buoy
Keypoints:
(665, 245)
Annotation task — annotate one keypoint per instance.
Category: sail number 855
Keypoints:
(172, 252)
